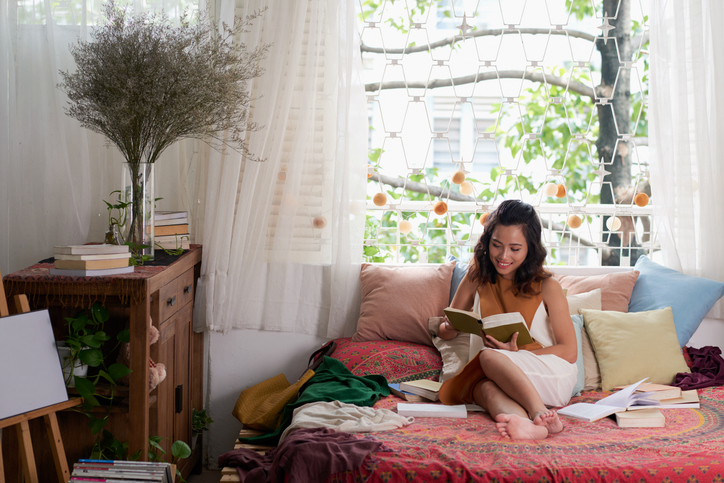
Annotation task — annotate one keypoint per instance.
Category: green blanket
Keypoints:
(332, 381)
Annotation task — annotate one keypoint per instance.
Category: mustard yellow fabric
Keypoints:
(260, 406)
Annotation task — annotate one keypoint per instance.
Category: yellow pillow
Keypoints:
(634, 345)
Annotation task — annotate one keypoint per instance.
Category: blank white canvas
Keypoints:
(30, 372)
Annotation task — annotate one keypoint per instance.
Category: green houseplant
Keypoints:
(145, 83)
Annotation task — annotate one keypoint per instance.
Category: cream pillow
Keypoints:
(631, 346)
(587, 300)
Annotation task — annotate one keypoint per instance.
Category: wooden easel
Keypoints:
(20, 421)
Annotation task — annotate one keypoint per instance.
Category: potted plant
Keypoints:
(82, 344)
(199, 423)
(145, 83)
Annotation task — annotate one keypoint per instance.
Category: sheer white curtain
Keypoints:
(54, 175)
(686, 122)
(283, 237)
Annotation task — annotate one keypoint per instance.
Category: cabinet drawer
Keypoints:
(186, 287)
(169, 300)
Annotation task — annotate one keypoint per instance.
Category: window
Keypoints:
(519, 96)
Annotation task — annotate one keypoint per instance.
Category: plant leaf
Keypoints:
(180, 450)
(92, 357)
(96, 425)
(124, 336)
(117, 371)
(87, 390)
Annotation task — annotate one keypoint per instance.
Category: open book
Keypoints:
(622, 400)
(500, 326)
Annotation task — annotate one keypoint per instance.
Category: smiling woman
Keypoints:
(515, 384)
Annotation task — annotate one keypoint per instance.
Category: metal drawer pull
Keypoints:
(171, 301)
(187, 288)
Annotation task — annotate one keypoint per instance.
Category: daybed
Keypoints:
(689, 448)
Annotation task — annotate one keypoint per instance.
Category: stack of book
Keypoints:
(426, 388)
(122, 471)
(171, 229)
(91, 260)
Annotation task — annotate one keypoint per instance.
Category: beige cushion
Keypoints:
(631, 346)
(454, 352)
(398, 301)
(615, 287)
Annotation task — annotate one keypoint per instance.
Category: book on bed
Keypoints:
(644, 418)
(406, 395)
(432, 410)
(622, 400)
(658, 391)
(500, 326)
(422, 387)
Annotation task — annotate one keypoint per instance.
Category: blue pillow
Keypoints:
(581, 377)
(458, 274)
(690, 298)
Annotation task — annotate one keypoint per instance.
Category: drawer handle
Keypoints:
(171, 301)
(179, 396)
(187, 288)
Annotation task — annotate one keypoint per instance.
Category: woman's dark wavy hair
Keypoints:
(510, 213)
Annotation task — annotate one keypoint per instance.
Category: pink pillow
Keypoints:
(396, 361)
(615, 287)
(397, 301)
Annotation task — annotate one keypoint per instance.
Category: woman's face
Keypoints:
(508, 249)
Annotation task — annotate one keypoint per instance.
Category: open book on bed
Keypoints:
(500, 326)
(625, 399)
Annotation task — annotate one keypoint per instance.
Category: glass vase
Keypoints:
(138, 190)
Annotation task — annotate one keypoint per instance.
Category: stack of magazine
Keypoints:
(118, 471)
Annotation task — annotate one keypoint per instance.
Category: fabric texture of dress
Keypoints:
(552, 376)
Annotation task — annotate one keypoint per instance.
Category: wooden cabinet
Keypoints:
(165, 294)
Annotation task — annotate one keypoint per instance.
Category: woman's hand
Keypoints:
(446, 331)
(493, 343)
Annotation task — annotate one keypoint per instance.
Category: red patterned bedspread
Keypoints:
(689, 449)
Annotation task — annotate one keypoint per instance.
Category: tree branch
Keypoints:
(573, 86)
(477, 33)
(439, 192)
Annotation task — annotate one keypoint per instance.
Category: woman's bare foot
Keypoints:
(514, 427)
(550, 420)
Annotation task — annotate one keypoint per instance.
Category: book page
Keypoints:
(622, 398)
(588, 412)
(502, 319)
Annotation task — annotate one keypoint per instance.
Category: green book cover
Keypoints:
(500, 326)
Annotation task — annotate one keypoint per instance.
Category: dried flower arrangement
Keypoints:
(144, 84)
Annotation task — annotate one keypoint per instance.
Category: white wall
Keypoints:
(239, 360)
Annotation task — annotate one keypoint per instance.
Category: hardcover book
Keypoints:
(422, 387)
(406, 395)
(91, 264)
(500, 326)
(644, 418)
(90, 249)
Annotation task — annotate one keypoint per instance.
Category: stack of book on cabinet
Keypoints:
(91, 260)
(110, 471)
(171, 229)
